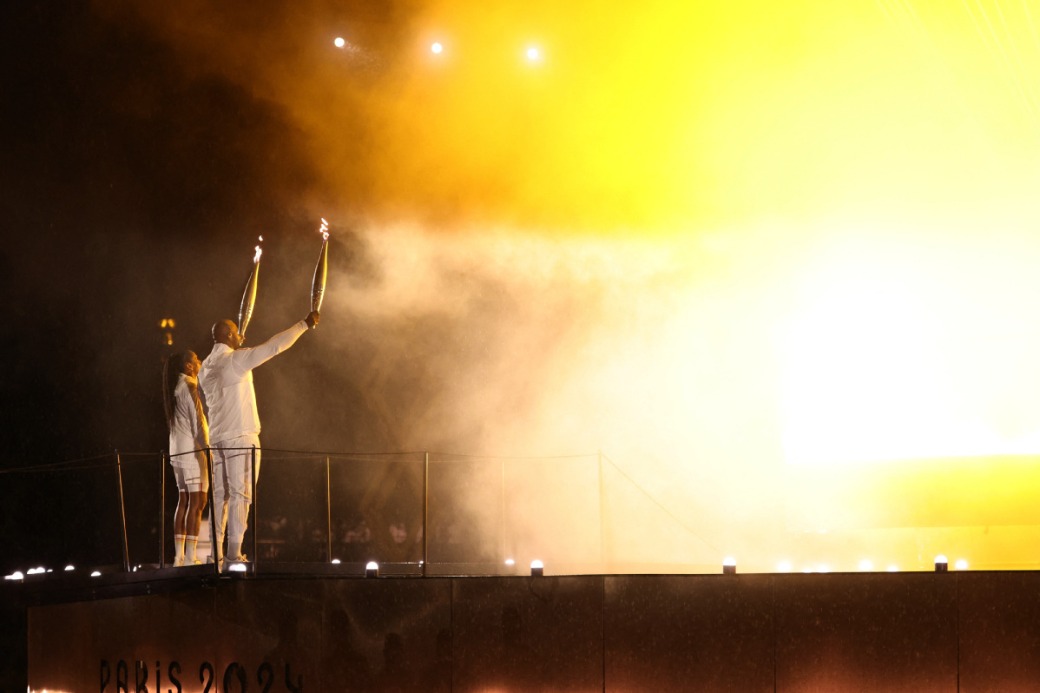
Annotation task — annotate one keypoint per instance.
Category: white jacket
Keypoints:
(188, 430)
(227, 384)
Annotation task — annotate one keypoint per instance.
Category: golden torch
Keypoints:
(321, 270)
(245, 309)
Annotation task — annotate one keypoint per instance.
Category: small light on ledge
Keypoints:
(537, 568)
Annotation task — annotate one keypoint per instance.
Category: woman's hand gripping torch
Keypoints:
(321, 270)
(245, 309)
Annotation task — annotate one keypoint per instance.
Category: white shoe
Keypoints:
(230, 562)
(178, 561)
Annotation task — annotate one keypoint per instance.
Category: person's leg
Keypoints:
(198, 485)
(179, 516)
(221, 498)
(196, 502)
(241, 480)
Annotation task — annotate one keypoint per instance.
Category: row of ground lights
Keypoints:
(729, 567)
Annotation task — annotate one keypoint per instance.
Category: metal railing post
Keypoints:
(162, 509)
(122, 513)
(328, 510)
(253, 479)
(426, 512)
(212, 514)
(602, 515)
(503, 553)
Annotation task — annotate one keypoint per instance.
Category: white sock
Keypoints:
(190, 542)
(234, 550)
(178, 546)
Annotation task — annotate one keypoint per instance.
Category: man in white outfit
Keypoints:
(234, 425)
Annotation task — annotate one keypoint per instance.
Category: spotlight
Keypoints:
(339, 42)
(537, 568)
(866, 565)
(893, 568)
(16, 575)
(237, 568)
(510, 563)
(783, 567)
(437, 47)
(961, 564)
(371, 569)
(533, 54)
(96, 573)
(335, 561)
(69, 568)
(941, 564)
(729, 566)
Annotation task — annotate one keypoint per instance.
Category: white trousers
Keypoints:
(233, 488)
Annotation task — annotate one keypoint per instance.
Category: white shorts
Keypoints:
(191, 473)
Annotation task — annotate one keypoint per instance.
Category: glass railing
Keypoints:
(412, 513)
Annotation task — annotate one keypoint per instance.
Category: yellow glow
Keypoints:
(667, 117)
(437, 47)
(900, 346)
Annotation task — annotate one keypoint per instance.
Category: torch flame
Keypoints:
(245, 309)
(321, 270)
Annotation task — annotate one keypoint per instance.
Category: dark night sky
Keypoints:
(117, 170)
(133, 189)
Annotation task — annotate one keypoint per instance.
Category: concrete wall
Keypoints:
(837, 632)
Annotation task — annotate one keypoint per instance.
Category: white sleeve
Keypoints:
(247, 359)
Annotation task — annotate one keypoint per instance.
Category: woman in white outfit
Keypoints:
(189, 439)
